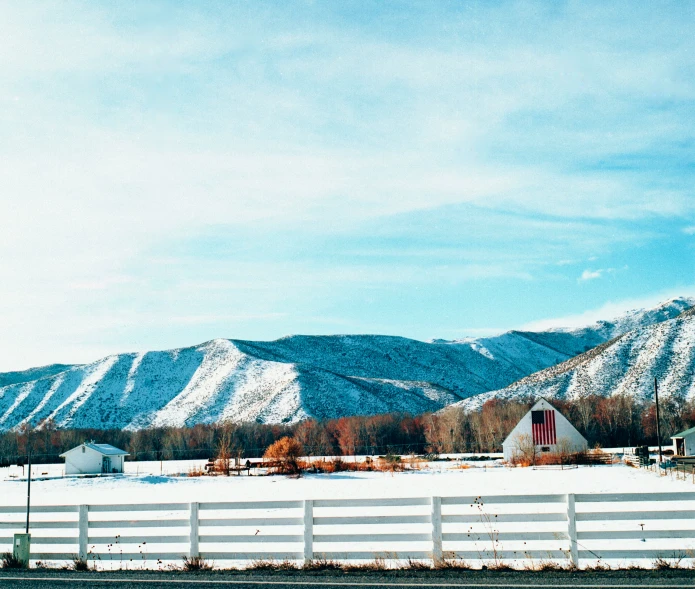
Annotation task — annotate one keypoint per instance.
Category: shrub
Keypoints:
(285, 454)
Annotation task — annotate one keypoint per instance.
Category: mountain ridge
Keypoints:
(627, 364)
(296, 377)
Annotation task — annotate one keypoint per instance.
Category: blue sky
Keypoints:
(171, 172)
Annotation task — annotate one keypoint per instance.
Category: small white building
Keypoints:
(684, 443)
(543, 429)
(91, 458)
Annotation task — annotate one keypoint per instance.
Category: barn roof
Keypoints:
(685, 433)
(105, 449)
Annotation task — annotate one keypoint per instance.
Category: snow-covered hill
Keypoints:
(626, 364)
(296, 377)
(31, 374)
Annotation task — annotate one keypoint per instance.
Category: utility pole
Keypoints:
(28, 479)
(658, 420)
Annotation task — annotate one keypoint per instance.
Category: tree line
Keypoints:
(617, 421)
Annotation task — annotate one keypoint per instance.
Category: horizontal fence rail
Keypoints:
(523, 528)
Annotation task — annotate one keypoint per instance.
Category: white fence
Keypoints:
(538, 528)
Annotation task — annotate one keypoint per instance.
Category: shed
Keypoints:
(543, 429)
(684, 443)
(91, 458)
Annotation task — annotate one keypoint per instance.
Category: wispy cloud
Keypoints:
(341, 152)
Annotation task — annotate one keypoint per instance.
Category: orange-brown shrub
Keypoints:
(285, 454)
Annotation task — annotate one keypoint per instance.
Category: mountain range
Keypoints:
(324, 376)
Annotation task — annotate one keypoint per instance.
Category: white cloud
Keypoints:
(591, 275)
(609, 310)
(689, 230)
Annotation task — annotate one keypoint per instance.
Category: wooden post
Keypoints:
(83, 531)
(572, 530)
(193, 548)
(436, 518)
(308, 530)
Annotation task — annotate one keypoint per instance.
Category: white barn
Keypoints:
(543, 429)
(684, 443)
(91, 458)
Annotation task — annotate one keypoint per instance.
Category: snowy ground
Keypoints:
(439, 478)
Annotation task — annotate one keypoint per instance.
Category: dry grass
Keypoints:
(549, 566)
(273, 565)
(196, 563)
(498, 566)
(418, 565)
(453, 564)
(666, 564)
(322, 564)
(378, 564)
(381, 464)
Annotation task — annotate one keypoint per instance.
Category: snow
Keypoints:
(439, 478)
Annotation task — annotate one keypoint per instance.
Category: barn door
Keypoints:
(105, 464)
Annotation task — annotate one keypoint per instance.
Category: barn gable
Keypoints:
(546, 429)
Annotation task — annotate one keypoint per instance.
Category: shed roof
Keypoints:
(105, 449)
(685, 433)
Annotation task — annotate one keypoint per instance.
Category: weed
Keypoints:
(10, 561)
(79, 564)
(196, 563)
(599, 566)
(664, 564)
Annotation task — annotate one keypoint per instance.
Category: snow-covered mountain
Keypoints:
(295, 377)
(626, 364)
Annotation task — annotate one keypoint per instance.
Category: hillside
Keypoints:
(296, 377)
(627, 364)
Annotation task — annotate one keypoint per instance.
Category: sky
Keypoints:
(172, 172)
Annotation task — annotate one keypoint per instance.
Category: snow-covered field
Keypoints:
(543, 536)
(439, 478)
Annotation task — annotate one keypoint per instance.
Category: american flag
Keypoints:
(543, 424)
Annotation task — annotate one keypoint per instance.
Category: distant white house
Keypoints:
(91, 458)
(543, 429)
(684, 443)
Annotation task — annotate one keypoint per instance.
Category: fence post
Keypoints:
(308, 530)
(572, 530)
(193, 548)
(83, 531)
(436, 518)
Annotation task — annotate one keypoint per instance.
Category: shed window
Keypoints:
(545, 448)
(83, 449)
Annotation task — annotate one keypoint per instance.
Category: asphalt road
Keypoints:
(35, 579)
